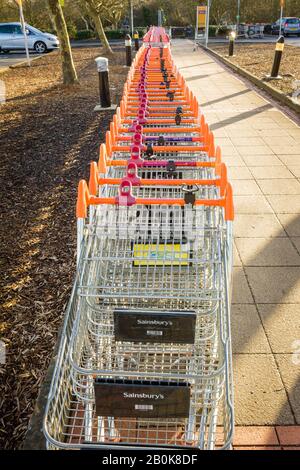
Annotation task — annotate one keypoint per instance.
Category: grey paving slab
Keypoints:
(241, 293)
(247, 141)
(295, 170)
(230, 151)
(242, 133)
(295, 133)
(279, 186)
(252, 205)
(268, 172)
(248, 335)
(290, 223)
(258, 225)
(241, 173)
(267, 252)
(245, 187)
(292, 160)
(296, 242)
(282, 326)
(261, 160)
(274, 284)
(231, 160)
(285, 204)
(286, 149)
(260, 396)
(236, 257)
(289, 367)
(255, 150)
(273, 132)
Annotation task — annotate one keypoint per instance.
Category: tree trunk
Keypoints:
(85, 22)
(101, 33)
(68, 68)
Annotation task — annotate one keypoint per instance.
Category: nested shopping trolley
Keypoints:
(145, 354)
(147, 360)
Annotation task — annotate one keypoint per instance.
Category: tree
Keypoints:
(113, 10)
(95, 9)
(68, 68)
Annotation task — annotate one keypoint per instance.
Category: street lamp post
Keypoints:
(207, 22)
(20, 3)
(281, 15)
(238, 16)
(131, 16)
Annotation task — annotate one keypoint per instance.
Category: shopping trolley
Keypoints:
(145, 356)
(99, 366)
(71, 423)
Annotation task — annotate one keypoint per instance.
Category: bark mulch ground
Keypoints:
(48, 135)
(258, 59)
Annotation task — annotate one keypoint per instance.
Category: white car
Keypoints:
(12, 38)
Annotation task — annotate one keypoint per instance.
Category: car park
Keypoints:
(289, 26)
(12, 38)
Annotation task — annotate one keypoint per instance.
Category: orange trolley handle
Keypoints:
(85, 199)
(95, 180)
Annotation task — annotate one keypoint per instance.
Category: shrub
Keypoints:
(223, 31)
(72, 31)
(115, 34)
(212, 30)
(85, 34)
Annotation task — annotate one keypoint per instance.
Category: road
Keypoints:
(13, 58)
(6, 60)
(291, 41)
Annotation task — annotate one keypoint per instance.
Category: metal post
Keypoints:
(277, 57)
(102, 67)
(131, 16)
(128, 50)
(196, 31)
(232, 37)
(159, 18)
(238, 16)
(207, 22)
(24, 31)
(136, 40)
(281, 15)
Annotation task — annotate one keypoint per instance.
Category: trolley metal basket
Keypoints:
(73, 422)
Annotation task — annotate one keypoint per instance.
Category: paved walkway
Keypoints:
(261, 147)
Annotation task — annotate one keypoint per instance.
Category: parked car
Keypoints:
(12, 38)
(183, 32)
(268, 29)
(289, 26)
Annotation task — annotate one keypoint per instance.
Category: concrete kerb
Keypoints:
(4, 69)
(278, 95)
(19, 64)
(24, 62)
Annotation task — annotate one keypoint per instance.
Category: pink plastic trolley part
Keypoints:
(125, 198)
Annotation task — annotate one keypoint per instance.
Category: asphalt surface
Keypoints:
(291, 41)
(13, 58)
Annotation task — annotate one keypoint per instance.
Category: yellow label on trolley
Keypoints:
(160, 255)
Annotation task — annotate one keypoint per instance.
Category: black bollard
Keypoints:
(136, 40)
(277, 58)
(232, 37)
(128, 50)
(102, 67)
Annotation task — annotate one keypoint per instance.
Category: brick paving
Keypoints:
(261, 147)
